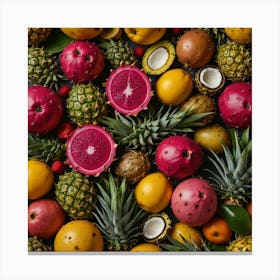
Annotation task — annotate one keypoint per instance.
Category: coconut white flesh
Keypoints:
(158, 58)
(153, 227)
(211, 77)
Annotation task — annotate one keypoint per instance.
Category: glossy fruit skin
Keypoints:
(178, 156)
(58, 167)
(235, 105)
(191, 234)
(139, 51)
(40, 179)
(45, 109)
(82, 33)
(82, 61)
(174, 86)
(144, 36)
(64, 90)
(153, 192)
(145, 247)
(45, 218)
(195, 48)
(78, 236)
(64, 130)
(217, 230)
(194, 201)
(212, 137)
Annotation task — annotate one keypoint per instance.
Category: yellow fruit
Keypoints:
(145, 247)
(111, 33)
(145, 36)
(40, 179)
(212, 137)
(191, 234)
(174, 86)
(82, 33)
(78, 236)
(153, 192)
(240, 35)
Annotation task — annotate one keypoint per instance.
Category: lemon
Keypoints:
(111, 33)
(174, 86)
(153, 192)
(240, 35)
(145, 247)
(40, 179)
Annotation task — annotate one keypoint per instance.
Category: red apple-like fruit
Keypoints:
(45, 218)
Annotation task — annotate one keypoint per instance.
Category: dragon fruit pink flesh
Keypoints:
(82, 61)
(90, 149)
(178, 157)
(194, 201)
(45, 109)
(128, 90)
(235, 105)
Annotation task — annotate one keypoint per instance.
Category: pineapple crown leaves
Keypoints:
(45, 148)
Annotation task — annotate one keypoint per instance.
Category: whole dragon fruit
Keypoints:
(194, 201)
(82, 61)
(235, 105)
(178, 156)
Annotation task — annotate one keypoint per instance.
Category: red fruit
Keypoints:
(90, 149)
(128, 90)
(58, 167)
(64, 130)
(176, 31)
(45, 109)
(64, 90)
(139, 51)
(194, 201)
(235, 105)
(178, 156)
(82, 61)
(45, 218)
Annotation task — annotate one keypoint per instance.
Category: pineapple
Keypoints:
(76, 194)
(46, 149)
(37, 245)
(117, 214)
(36, 36)
(235, 61)
(118, 52)
(232, 176)
(86, 104)
(218, 34)
(241, 244)
(43, 69)
(148, 128)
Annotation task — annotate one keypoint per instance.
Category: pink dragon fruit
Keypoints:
(235, 105)
(82, 61)
(128, 90)
(45, 109)
(90, 149)
(178, 156)
(194, 201)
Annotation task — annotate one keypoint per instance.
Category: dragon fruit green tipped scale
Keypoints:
(90, 149)
(128, 90)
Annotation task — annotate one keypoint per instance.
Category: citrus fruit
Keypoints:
(77, 236)
(153, 192)
(90, 149)
(145, 247)
(128, 90)
(40, 179)
(191, 234)
(240, 35)
(174, 86)
(81, 33)
(217, 230)
(111, 33)
(145, 36)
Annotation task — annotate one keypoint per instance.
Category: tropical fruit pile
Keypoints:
(139, 139)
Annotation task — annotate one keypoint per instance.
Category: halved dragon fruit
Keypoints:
(128, 90)
(90, 149)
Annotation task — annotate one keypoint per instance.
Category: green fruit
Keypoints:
(158, 58)
(37, 245)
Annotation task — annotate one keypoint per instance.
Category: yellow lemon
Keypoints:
(174, 86)
(240, 35)
(145, 247)
(153, 192)
(81, 33)
(40, 179)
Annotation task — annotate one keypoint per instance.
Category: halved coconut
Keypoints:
(156, 227)
(209, 79)
(158, 58)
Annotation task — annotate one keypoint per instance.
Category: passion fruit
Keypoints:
(195, 48)
(158, 58)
